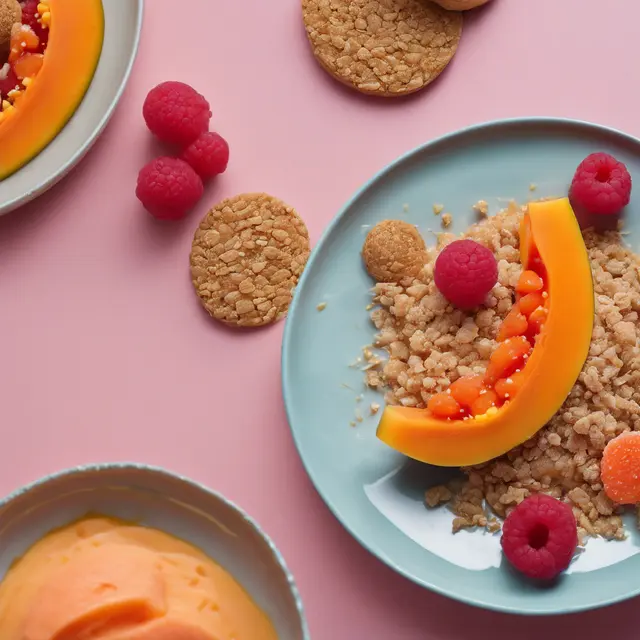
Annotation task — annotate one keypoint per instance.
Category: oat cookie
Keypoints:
(246, 258)
(10, 14)
(460, 5)
(382, 47)
(393, 250)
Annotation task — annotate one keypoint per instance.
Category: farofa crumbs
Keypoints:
(430, 344)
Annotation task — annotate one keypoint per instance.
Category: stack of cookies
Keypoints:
(385, 47)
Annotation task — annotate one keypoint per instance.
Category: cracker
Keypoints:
(246, 258)
(382, 47)
(393, 250)
(10, 14)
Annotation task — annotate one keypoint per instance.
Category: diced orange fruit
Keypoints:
(537, 320)
(529, 282)
(467, 389)
(444, 405)
(509, 356)
(484, 402)
(530, 302)
(620, 468)
(515, 324)
(22, 40)
(28, 65)
(507, 388)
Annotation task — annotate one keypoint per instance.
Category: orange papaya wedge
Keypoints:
(551, 247)
(45, 107)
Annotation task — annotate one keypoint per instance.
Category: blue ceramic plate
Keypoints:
(159, 499)
(376, 493)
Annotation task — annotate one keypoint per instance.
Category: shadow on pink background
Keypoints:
(107, 354)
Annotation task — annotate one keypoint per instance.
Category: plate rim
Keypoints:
(496, 125)
(103, 467)
(61, 172)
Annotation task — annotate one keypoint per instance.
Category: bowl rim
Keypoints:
(61, 172)
(103, 467)
(496, 125)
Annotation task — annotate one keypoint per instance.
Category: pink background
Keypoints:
(107, 355)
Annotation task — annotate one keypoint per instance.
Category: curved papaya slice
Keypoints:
(554, 257)
(68, 66)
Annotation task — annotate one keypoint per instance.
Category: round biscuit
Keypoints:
(460, 5)
(382, 47)
(393, 250)
(10, 14)
(246, 258)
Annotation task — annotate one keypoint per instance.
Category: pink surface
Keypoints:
(107, 354)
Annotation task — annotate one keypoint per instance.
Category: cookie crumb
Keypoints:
(352, 423)
(533, 187)
(447, 219)
(438, 209)
(405, 207)
(322, 306)
(481, 208)
(437, 495)
(374, 408)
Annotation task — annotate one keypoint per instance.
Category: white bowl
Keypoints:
(123, 23)
(159, 499)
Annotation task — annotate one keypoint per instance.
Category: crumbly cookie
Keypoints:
(10, 14)
(394, 249)
(460, 5)
(382, 47)
(246, 258)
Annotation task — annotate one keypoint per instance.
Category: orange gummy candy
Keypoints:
(620, 468)
(444, 405)
(466, 389)
(529, 282)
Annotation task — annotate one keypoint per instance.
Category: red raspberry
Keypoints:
(30, 17)
(8, 80)
(601, 185)
(540, 536)
(208, 155)
(176, 113)
(465, 272)
(168, 188)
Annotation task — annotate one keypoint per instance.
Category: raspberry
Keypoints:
(168, 188)
(208, 155)
(465, 272)
(176, 113)
(540, 536)
(30, 17)
(601, 185)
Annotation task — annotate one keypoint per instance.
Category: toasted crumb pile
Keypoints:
(430, 345)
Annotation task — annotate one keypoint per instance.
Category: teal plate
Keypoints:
(376, 493)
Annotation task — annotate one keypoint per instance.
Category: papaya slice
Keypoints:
(54, 93)
(529, 376)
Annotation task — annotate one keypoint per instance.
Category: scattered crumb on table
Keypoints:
(438, 209)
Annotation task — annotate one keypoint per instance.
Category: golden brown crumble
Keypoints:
(430, 344)
(447, 219)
